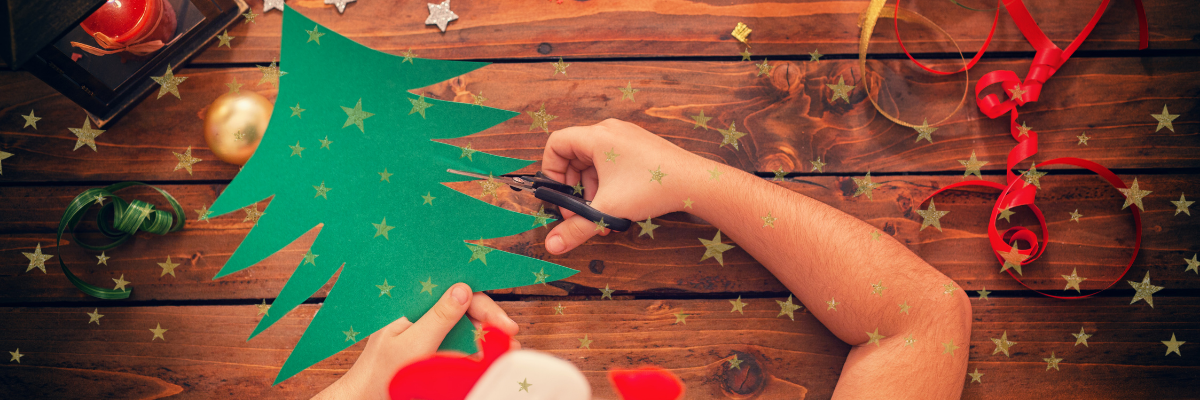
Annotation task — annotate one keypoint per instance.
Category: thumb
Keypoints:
(569, 234)
(429, 331)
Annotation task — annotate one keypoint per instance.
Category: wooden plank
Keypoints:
(1098, 246)
(641, 28)
(206, 353)
(789, 117)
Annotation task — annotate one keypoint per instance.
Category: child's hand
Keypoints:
(403, 342)
(614, 160)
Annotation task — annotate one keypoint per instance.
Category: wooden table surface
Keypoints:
(680, 55)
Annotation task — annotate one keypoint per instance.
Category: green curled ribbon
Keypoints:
(973, 9)
(127, 219)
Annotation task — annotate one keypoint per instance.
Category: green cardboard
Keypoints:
(427, 241)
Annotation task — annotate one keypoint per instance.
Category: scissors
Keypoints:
(556, 193)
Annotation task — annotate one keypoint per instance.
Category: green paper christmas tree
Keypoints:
(360, 161)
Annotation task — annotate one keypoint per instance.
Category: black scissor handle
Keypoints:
(581, 207)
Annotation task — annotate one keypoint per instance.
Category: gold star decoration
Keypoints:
(788, 308)
(419, 105)
(973, 165)
(949, 347)
(540, 277)
(735, 362)
(322, 190)
(1083, 138)
(585, 343)
(1192, 264)
(875, 236)
(1173, 345)
(1075, 215)
(611, 155)
(904, 307)
(1013, 259)
(1073, 281)
(95, 316)
(1134, 195)
(4, 156)
(606, 293)
(577, 189)
(715, 174)
(297, 110)
(878, 288)
(468, 152)
(270, 74)
(382, 228)
(628, 91)
(239, 135)
(385, 176)
(351, 335)
(524, 385)
(1032, 176)
(168, 83)
(780, 174)
(408, 56)
(701, 121)
(1022, 130)
(745, 54)
(840, 90)
(560, 66)
(909, 341)
(687, 203)
(731, 135)
(249, 15)
(865, 186)
(768, 220)
(737, 305)
(489, 186)
(817, 165)
(831, 304)
(103, 259)
(479, 334)
(741, 32)
(385, 288)
(158, 332)
(477, 99)
(873, 337)
(541, 119)
(325, 142)
(1002, 344)
(297, 150)
(310, 258)
(86, 135)
(764, 68)
(428, 199)
(924, 131)
(648, 228)
(1164, 119)
(252, 213)
(356, 115)
(1081, 337)
(714, 248)
(30, 120)
(1145, 291)
(478, 253)
(186, 160)
(657, 175)
(1052, 362)
(680, 318)
(427, 286)
(224, 39)
(601, 225)
(542, 218)
(815, 56)
(932, 217)
(1181, 206)
(16, 356)
(1005, 213)
(1016, 93)
(558, 310)
(37, 259)
(168, 267)
(99, 200)
(121, 282)
(314, 36)
(234, 87)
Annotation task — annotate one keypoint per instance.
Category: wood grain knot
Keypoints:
(596, 266)
(741, 381)
(545, 48)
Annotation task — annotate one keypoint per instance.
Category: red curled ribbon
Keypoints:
(1046, 62)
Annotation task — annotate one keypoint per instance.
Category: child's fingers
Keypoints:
(570, 233)
(487, 312)
(395, 328)
(565, 149)
(428, 332)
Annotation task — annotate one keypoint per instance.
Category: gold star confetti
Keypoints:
(1032, 176)
(875, 236)
(731, 135)
(322, 190)
(657, 175)
(1005, 213)
(735, 362)
(560, 67)
(832, 304)
(1016, 93)
(973, 165)
(788, 308)
(1173, 345)
(489, 186)
(264, 308)
(158, 332)
(385, 176)
(817, 165)
(356, 115)
(37, 259)
(4, 156)
(234, 87)
(1134, 195)
(477, 99)
(680, 318)
(648, 228)
(95, 316)
(577, 189)
(558, 310)
(270, 74)
(540, 277)
(1002, 344)
(1164, 119)
(600, 225)
(249, 15)
(1182, 205)
(687, 203)
(524, 385)
(252, 213)
(1052, 362)
(186, 160)
(542, 218)
(769, 221)
(297, 110)
(99, 200)
(121, 282)
(878, 288)
(1083, 138)
(86, 135)
(764, 68)
(479, 334)
(310, 258)
(239, 135)
(1081, 337)
(1145, 291)
(904, 307)
(737, 305)
(909, 341)
(419, 105)
(840, 90)
(1075, 215)
(478, 253)
(428, 199)
(1013, 259)
(1192, 264)
(385, 288)
(408, 56)
(585, 343)
(103, 259)
(16, 356)
(924, 131)
(780, 174)
(1023, 130)
(701, 121)
(865, 186)
(168, 267)
(224, 39)
(606, 293)
(949, 348)
(628, 91)
(325, 142)
(382, 228)
(30, 120)
(1073, 281)
(296, 150)
(611, 155)
(873, 337)
(715, 174)
(314, 36)
(815, 56)
(541, 119)
(745, 54)
(932, 217)
(351, 335)
(740, 32)
(427, 286)
(168, 83)
(714, 248)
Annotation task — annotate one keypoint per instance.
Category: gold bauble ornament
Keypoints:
(234, 124)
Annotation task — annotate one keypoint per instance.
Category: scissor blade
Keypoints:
(505, 180)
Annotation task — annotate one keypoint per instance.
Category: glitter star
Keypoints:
(1016, 93)
(715, 174)
(321, 191)
(478, 253)
(542, 218)
(314, 36)
(1013, 259)
(297, 110)
(815, 56)
(731, 135)
(408, 57)
(745, 54)
(680, 318)
(477, 99)
(735, 362)
(385, 288)
(657, 175)
(560, 66)
(351, 335)
(1075, 215)
(601, 225)
(714, 248)
(385, 176)
(121, 282)
(541, 119)
(524, 385)
(168, 83)
(865, 186)
(252, 214)
(310, 258)
(104, 259)
(687, 203)
(99, 200)
(1005, 213)
(440, 15)
(489, 186)
(932, 217)
(611, 155)
(540, 277)
(479, 334)
(427, 286)
(234, 87)
(428, 198)
(831, 304)
(1073, 280)
(1164, 119)
(86, 135)
(1172, 345)
(904, 307)
(270, 74)
(647, 228)
(249, 17)
(186, 160)
(764, 68)
(1081, 337)
(356, 115)
(468, 152)
(296, 149)
(973, 165)
(1083, 138)
(1192, 264)
(924, 131)
(873, 337)
(158, 332)
(577, 189)
(1052, 362)
(3, 156)
(840, 90)
(909, 341)
(325, 142)
(1002, 344)
(37, 259)
(878, 288)
(780, 174)
(606, 293)
(382, 228)
(949, 347)
(737, 305)
(1134, 195)
(340, 4)
(168, 267)
(224, 38)
(1145, 291)
(585, 343)
(701, 121)
(16, 356)
(95, 316)
(628, 91)
(30, 120)
(1182, 205)
(1022, 130)
(558, 310)
(788, 308)
(875, 236)
(419, 105)
(1032, 176)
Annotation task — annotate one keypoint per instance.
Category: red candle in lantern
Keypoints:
(137, 26)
